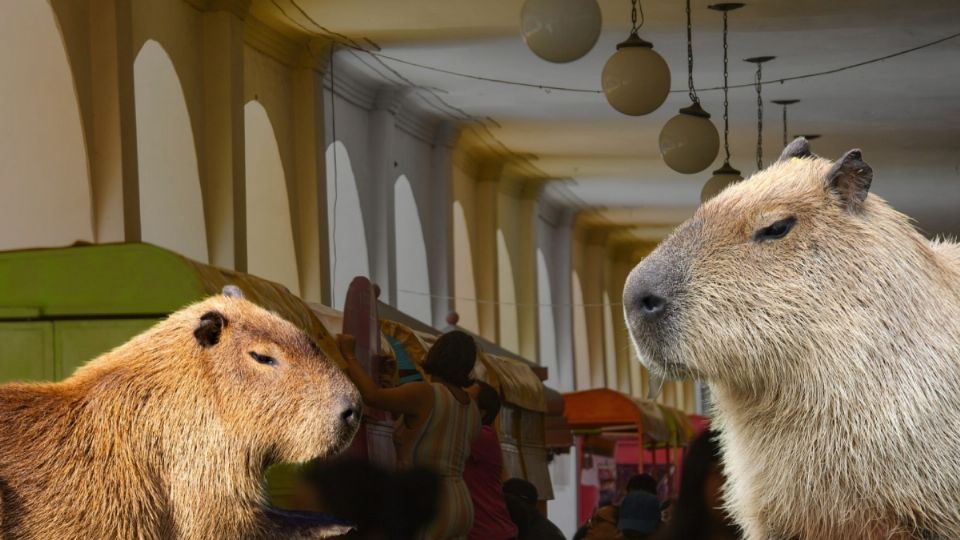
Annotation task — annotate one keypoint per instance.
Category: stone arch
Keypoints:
(609, 345)
(413, 278)
(345, 228)
(171, 200)
(507, 297)
(270, 247)
(545, 318)
(581, 347)
(45, 192)
(464, 280)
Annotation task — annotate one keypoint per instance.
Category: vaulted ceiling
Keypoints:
(903, 112)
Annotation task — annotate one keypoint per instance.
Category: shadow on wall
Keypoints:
(45, 179)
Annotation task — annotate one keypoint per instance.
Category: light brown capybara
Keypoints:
(828, 330)
(168, 435)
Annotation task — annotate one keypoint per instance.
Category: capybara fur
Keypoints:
(169, 434)
(828, 330)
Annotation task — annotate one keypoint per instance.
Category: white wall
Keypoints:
(563, 509)
(45, 197)
(171, 204)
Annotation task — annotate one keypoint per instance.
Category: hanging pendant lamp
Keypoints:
(726, 174)
(784, 103)
(636, 80)
(689, 141)
(560, 31)
(758, 85)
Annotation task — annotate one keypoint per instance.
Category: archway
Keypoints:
(345, 230)
(413, 279)
(270, 249)
(171, 204)
(507, 297)
(546, 323)
(581, 349)
(45, 198)
(464, 282)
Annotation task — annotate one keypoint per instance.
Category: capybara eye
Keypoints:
(776, 230)
(264, 359)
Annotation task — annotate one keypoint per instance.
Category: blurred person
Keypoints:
(603, 524)
(697, 512)
(491, 520)
(642, 482)
(639, 515)
(382, 505)
(521, 497)
(439, 424)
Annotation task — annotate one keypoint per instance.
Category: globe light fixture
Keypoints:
(560, 31)
(726, 174)
(635, 80)
(689, 141)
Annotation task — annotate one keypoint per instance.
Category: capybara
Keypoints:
(169, 434)
(828, 330)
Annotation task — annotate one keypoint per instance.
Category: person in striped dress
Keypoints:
(439, 424)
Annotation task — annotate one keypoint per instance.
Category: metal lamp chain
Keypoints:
(759, 118)
(784, 125)
(693, 91)
(726, 118)
(633, 15)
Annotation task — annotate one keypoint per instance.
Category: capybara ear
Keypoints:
(799, 148)
(232, 291)
(850, 178)
(211, 326)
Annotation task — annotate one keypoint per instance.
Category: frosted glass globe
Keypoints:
(689, 142)
(560, 30)
(722, 177)
(636, 79)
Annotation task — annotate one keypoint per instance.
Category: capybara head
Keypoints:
(271, 386)
(795, 265)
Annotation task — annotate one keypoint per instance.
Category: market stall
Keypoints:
(618, 436)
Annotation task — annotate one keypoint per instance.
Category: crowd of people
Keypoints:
(449, 480)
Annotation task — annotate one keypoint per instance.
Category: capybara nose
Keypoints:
(651, 305)
(350, 412)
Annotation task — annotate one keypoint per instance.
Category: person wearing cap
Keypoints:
(639, 515)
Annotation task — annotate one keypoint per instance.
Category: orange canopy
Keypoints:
(605, 408)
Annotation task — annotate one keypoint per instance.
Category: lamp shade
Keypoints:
(722, 177)
(636, 79)
(560, 30)
(689, 141)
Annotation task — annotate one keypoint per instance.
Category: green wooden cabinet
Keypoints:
(26, 351)
(52, 350)
(77, 342)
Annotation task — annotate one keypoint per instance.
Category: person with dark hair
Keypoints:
(491, 521)
(697, 512)
(522, 497)
(439, 424)
(642, 482)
